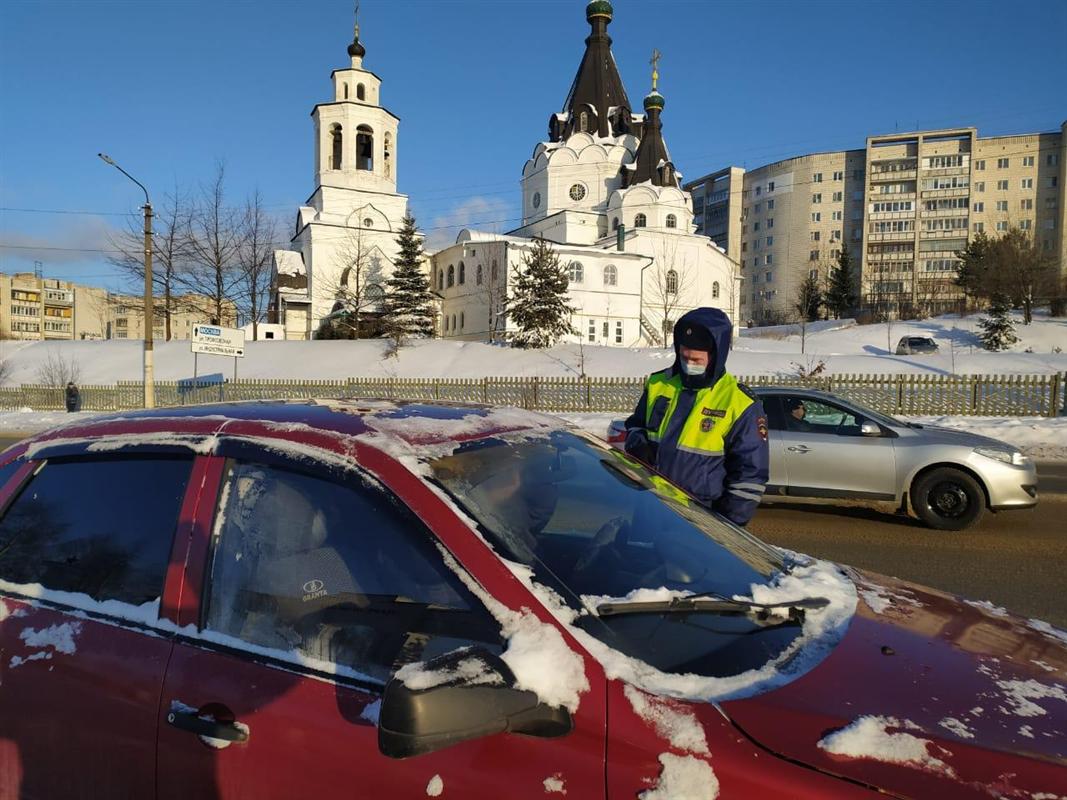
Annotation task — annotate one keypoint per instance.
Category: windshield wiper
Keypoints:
(714, 603)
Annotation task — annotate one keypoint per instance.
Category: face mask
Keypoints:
(693, 370)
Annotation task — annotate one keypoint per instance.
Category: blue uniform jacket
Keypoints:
(731, 484)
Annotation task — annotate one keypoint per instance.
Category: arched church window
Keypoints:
(364, 147)
(387, 154)
(672, 282)
(576, 272)
(336, 138)
(493, 271)
(672, 221)
(440, 279)
(446, 323)
(478, 275)
(361, 93)
(715, 289)
(451, 276)
(615, 223)
(611, 275)
(453, 323)
(583, 122)
(346, 91)
(640, 221)
(462, 320)
(462, 273)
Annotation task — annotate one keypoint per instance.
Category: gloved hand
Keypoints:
(638, 445)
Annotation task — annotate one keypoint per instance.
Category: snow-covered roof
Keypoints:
(289, 262)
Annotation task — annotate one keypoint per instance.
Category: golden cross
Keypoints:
(357, 19)
(654, 61)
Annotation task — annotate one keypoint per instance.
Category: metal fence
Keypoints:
(994, 395)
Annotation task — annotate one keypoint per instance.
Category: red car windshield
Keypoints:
(594, 525)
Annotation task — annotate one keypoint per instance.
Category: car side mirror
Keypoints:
(462, 695)
(868, 428)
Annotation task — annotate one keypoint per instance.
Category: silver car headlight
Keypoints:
(1013, 457)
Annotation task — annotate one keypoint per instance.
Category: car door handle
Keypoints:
(799, 449)
(191, 721)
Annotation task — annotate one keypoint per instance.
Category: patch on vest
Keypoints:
(761, 427)
(713, 412)
(706, 425)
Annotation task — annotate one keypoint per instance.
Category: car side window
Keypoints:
(806, 415)
(772, 405)
(341, 573)
(102, 526)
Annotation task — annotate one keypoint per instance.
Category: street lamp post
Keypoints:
(149, 370)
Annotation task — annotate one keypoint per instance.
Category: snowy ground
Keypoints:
(1041, 438)
(843, 346)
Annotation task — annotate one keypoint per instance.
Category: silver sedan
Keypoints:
(823, 446)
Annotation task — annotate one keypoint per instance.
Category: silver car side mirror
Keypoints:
(868, 428)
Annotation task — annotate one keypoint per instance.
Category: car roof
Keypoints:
(384, 424)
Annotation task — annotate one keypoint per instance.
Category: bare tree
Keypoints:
(494, 290)
(56, 371)
(214, 248)
(254, 261)
(358, 288)
(170, 240)
(668, 282)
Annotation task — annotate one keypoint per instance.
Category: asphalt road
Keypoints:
(1016, 559)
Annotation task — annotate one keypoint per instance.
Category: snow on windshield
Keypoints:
(885, 739)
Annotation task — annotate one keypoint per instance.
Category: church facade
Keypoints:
(603, 190)
(344, 243)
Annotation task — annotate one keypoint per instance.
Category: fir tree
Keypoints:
(973, 270)
(809, 298)
(840, 295)
(537, 304)
(408, 301)
(998, 329)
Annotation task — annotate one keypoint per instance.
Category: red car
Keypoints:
(368, 599)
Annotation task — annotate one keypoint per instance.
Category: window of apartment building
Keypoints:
(1025, 224)
(813, 273)
(758, 244)
(744, 247)
(837, 215)
(980, 164)
(979, 186)
(1028, 161)
(1002, 205)
(592, 330)
(744, 229)
(1050, 224)
(838, 196)
(941, 264)
(857, 234)
(770, 222)
(770, 205)
(979, 227)
(857, 174)
(979, 207)
(1052, 159)
(755, 226)
(1002, 163)
(758, 208)
(815, 235)
(1051, 203)
(858, 194)
(816, 178)
(835, 254)
(816, 198)
(770, 186)
(835, 235)
(1027, 183)
(769, 277)
(813, 255)
(744, 263)
(770, 259)
(945, 182)
(839, 175)
(1002, 186)
(1027, 203)
(816, 216)
(759, 191)
(618, 333)
(1002, 226)
(1053, 182)
(770, 241)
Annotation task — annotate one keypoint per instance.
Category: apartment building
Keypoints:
(32, 307)
(903, 204)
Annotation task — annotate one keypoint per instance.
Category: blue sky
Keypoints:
(168, 87)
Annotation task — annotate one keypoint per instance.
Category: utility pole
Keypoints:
(149, 367)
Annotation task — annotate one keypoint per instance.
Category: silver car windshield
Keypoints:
(594, 524)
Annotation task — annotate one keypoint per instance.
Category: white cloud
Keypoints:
(484, 213)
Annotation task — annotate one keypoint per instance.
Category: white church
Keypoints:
(602, 190)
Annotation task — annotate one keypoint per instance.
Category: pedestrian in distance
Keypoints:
(698, 427)
(73, 397)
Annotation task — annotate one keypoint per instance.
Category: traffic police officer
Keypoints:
(698, 427)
